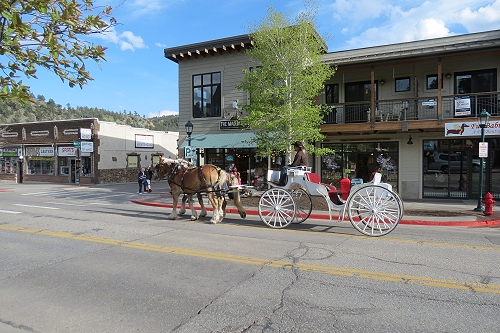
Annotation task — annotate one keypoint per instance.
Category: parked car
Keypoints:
(446, 162)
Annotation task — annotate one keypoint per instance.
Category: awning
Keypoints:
(230, 140)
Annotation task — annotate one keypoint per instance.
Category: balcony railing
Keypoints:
(422, 108)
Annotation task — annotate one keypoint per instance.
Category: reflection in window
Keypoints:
(332, 93)
(39, 165)
(207, 95)
(403, 84)
(432, 82)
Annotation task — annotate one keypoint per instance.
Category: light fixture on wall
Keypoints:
(382, 82)
(410, 141)
(448, 75)
(235, 104)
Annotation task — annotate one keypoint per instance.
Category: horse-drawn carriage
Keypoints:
(373, 208)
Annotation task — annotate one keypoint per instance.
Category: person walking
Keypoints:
(149, 175)
(299, 160)
(141, 179)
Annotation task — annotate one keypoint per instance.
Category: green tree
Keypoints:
(286, 77)
(48, 34)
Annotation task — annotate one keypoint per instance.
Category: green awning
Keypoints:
(230, 140)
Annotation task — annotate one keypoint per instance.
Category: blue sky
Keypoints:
(137, 76)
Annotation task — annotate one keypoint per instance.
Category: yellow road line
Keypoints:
(384, 238)
(348, 272)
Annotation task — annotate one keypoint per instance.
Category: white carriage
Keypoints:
(373, 208)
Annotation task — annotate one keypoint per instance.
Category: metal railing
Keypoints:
(422, 108)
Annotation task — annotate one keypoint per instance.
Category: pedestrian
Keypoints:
(300, 160)
(236, 174)
(149, 175)
(141, 179)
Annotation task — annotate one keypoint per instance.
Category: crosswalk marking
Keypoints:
(33, 206)
(10, 212)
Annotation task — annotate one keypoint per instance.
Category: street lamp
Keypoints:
(189, 131)
(482, 120)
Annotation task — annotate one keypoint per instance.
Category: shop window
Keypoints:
(64, 167)
(86, 166)
(9, 165)
(207, 95)
(132, 161)
(39, 165)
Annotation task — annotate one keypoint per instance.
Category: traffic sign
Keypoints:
(190, 152)
(77, 144)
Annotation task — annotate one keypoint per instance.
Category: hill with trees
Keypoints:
(12, 111)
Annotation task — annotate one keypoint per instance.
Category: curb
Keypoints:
(320, 216)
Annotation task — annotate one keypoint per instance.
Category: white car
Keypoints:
(446, 162)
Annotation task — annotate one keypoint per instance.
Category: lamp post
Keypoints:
(189, 131)
(482, 120)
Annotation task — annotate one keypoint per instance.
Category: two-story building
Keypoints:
(410, 108)
(84, 151)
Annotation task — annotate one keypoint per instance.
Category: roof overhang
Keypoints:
(212, 47)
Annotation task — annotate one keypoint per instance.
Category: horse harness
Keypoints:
(178, 168)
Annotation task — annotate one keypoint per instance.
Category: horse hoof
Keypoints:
(193, 218)
(243, 215)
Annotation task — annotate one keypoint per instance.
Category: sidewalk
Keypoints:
(436, 212)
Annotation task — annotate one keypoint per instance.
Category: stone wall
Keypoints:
(117, 175)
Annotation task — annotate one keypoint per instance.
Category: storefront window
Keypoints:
(86, 166)
(357, 161)
(451, 168)
(64, 167)
(9, 164)
(39, 165)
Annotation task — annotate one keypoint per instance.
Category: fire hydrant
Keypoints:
(488, 204)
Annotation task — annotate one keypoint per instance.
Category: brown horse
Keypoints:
(208, 179)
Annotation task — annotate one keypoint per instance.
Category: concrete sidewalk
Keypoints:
(435, 212)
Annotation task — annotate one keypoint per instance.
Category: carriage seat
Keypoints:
(332, 190)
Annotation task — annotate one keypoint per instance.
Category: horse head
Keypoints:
(164, 167)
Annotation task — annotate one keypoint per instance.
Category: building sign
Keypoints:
(144, 141)
(85, 134)
(462, 106)
(431, 102)
(87, 147)
(39, 151)
(9, 152)
(471, 128)
(230, 124)
(66, 151)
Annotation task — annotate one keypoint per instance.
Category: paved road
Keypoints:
(85, 259)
